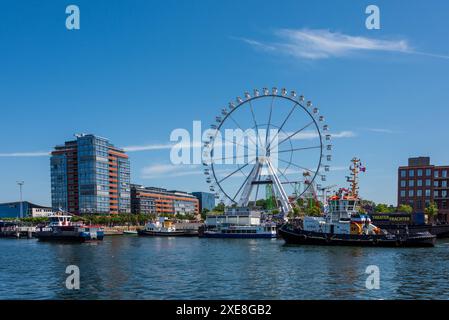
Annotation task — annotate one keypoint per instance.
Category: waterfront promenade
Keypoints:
(131, 267)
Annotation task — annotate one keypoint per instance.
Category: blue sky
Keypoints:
(136, 70)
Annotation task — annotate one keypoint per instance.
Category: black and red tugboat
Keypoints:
(342, 224)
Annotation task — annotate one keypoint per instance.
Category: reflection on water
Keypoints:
(129, 267)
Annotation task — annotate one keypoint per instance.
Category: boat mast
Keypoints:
(354, 178)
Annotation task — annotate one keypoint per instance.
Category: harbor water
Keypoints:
(131, 267)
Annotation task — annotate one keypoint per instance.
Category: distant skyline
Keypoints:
(137, 70)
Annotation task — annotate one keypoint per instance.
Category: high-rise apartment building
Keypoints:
(90, 175)
(421, 183)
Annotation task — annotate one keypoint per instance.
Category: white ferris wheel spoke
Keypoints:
(234, 172)
(283, 124)
(297, 149)
(269, 121)
(296, 132)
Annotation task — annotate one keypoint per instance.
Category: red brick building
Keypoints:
(421, 183)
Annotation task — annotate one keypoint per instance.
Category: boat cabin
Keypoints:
(60, 220)
(342, 208)
(239, 216)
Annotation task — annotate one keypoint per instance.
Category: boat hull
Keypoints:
(293, 235)
(149, 233)
(69, 236)
(237, 235)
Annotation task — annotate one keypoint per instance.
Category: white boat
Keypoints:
(164, 228)
(238, 222)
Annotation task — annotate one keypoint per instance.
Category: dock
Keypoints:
(17, 232)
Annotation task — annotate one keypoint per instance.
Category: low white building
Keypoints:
(41, 212)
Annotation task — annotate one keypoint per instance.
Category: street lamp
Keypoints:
(21, 183)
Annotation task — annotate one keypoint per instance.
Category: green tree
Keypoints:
(220, 207)
(431, 211)
(300, 202)
(261, 203)
(313, 211)
(405, 208)
(204, 213)
(383, 208)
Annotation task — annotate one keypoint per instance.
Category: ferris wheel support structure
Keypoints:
(253, 179)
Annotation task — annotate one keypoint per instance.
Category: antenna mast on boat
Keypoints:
(355, 169)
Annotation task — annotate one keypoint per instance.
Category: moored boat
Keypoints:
(238, 222)
(344, 225)
(165, 228)
(297, 235)
(61, 228)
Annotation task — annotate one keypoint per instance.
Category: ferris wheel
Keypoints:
(270, 140)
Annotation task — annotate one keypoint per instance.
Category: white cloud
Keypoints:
(380, 130)
(25, 154)
(343, 134)
(322, 44)
(148, 147)
(310, 134)
(169, 170)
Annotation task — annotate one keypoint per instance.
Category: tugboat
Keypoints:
(238, 222)
(165, 228)
(61, 228)
(344, 225)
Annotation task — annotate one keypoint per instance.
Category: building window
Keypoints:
(427, 182)
(435, 193)
(411, 183)
(403, 173)
(435, 183)
(427, 192)
(435, 173)
(444, 194)
(419, 205)
(419, 193)
(428, 172)
(402, 193)
(419, 183)
(411, 173)
(444, 173)
(444, 183)
(419, 172)
(410, 193)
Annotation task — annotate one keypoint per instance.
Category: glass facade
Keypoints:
(58, 169)
(124, 185)
(207, 200)
(98, 181)
(93, 175)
